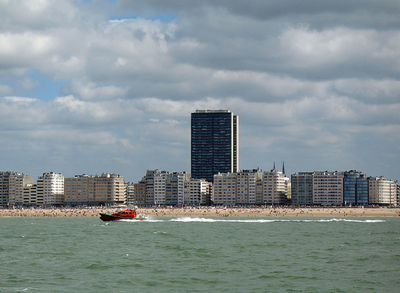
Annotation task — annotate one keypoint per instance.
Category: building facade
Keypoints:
(53, 188)
(161, 188)
(214, 143)
(12, 188)
(302, 188)
(93, 190)
(149, 179)
(198, 192)
(382, 191)
(224, 189)
(246, 181)
(30, 195)
(139, 193)
(355, 188)
(328, 188)
(275, 186)
(250, 187)
(130, 194)
(175, 188)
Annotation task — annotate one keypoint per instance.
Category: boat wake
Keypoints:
(253, 220)
(146, 220)
(213, 220)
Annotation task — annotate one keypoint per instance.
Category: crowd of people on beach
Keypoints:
(206, 211)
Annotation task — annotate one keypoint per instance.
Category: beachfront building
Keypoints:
(79, 190)
(197, 192)
(237, 188)
(17, 182)
(30, 195)
(94, 190)
(12, 188)
(159, 188)
(398, 193)
(246, 182)
(149, 179)
(382, 191)
(302, 188)
(34, 194)
(224, 189)
(144, 191)
(355, 188)
(4, 188)
(275, 186)
(108, 189)
(328, 188)
(175, 188)
(53, 188)
(214, 143)
(139, 193)
(40, 191)
(129, 194)
(162, 188)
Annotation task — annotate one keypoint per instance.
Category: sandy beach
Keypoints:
(208, 212)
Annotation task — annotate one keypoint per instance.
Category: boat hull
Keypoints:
(110, 217)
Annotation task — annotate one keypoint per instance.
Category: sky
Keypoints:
(91, 87)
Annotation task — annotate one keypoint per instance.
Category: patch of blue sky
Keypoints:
(45, 88)
(163, 17)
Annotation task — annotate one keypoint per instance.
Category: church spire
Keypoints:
(274, 167)
(283, 168)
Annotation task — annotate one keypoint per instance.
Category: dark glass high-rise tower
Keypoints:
(355, 190)
(215, 143)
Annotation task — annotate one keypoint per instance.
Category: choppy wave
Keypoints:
(200, 253)
(213, 220)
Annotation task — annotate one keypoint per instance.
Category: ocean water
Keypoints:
(200, 255)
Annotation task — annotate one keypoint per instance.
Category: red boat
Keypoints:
(122, 215)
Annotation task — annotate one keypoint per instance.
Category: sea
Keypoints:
(183, 254)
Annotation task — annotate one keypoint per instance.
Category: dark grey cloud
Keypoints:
(319, 14)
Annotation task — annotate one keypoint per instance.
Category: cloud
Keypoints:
(5, 90)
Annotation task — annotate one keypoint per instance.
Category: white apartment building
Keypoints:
(382, 191)
(275, 187)
(17, 183)
(197, 192)
(106, 189)
(53, 188)
(12, 188)
(149, 180)
(236, 188)
(159, 188)
(328, 188)
(175, 188)
(224, 189)
(246, 186)
(130, 194)
(168, 188)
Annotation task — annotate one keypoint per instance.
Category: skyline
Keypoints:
(109, 86)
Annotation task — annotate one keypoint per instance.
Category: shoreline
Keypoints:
(208, 212)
